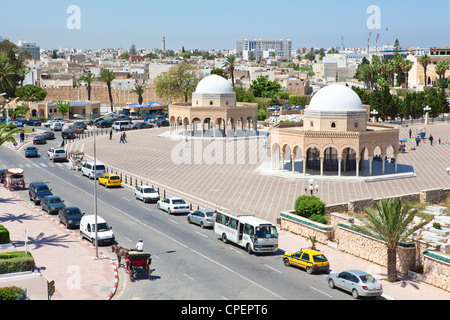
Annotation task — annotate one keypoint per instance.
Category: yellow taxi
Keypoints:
(311, 260)
(110, 180)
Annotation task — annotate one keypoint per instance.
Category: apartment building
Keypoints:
(263, 48)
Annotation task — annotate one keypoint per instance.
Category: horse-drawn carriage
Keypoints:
(138, 259)
(13, 178)
(75, 160)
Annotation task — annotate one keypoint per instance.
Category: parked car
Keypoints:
(359, 283)
(56, 154)
(34, 122)
(38, 190)
(81, 124)
(56, 125)
(70, 217)
(142, 125)
(68, 134)
(90, 170)
(173, 205)
(122, 125)
(204, 218)
(48, 123)
(146, 194)
(162, 123)
(308, 259)
(104, 233)
(17, 123)
(39, 140)
(52, 204)
(105, 123)
(110, 180)
(31, 152)
(48, 135)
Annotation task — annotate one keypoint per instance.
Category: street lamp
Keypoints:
(426, 109)
(312, 189)
(374, 113)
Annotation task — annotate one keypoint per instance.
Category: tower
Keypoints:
(164, 45)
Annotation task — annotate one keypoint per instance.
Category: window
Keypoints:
(333, 124)
(312, 124)
(356, 124)
(210, 103)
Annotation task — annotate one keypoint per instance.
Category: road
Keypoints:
(189, 263)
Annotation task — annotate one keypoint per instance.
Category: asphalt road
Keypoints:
(189, 263)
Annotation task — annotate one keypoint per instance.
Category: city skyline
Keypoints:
(210, 25)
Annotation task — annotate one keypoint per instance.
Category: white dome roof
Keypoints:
(214, 84)
(336, 97)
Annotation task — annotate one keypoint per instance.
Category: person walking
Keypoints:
(124, 135)
(417, 141)
(431, 139)
(110, 134)
(121, 139)
(410, 133)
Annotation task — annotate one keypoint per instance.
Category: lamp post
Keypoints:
(374, 113)
(312, 189)
(426, 109)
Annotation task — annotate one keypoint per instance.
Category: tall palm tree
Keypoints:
(7, 72)
(229, 64)
(391, 220)
(108, 76)
(139, 90)
(441, 69)
(406, 67)
(425, 61)
(87, 78)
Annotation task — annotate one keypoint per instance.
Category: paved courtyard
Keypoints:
(223, 173)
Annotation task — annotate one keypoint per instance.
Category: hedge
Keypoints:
(16, 261)
(4, 235)
(11, 293)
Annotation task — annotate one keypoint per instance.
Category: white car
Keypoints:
(48, 123)
(57, 154)
(146, 194)
(173, 205)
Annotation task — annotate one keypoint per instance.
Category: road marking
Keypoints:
(28, 165)
(201, 234)
(126, 198)
(219, 264)
(44, 165)
(188, 276)
(321, 292)
(236, 250)
(173, 221)
(272, 268)
(148, 209)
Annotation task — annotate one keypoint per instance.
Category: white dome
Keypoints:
(214, 84)
(336, 97)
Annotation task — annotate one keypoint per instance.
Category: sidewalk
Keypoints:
(60, 255)
(407, 289)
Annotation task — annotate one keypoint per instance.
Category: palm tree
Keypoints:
(87, 78)
(391, 220)
(229, 64)
(406, 67)
(425, 61)
(139, 90)
(7, 131)
(7, 72)
(441, 69)
(108, 76)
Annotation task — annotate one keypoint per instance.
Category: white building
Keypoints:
(263, 48)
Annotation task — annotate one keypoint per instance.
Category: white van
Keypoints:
(104, 233)
(122, 125)
(88, 169)
(57, 125)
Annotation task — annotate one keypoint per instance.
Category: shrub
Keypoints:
(318, 218)
(16, 261)
(4, 235)
(10, 293)
(306, 206)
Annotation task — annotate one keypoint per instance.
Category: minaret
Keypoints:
(164, 45)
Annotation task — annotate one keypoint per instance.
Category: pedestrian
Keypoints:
(124, 137)
(139, 246)
(110, 134)
(410, 133)
(121, 138)
(431, 139)
(417, 140)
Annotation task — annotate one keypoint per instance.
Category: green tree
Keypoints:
(310, 207)
(30, 92)
(219, 72)
(262, 87)
(179, 82)
(19, 112)
(229, 65)
(7, 132)
(441, 69)
(139, 90)
(262, 115)
(391, 220)
(108, 76)
(7, 72)
(63, 107)
(88, 78)
(406, 67)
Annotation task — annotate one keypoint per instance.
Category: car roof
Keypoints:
(310, 251)
(91, 219)
(357, 272)
(39, 183)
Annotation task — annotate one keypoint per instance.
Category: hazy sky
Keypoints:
(210, 24)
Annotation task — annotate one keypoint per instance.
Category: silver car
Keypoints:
(359, 283)
(204, 218)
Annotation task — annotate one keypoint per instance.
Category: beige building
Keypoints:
(213, 108)
(335, 138)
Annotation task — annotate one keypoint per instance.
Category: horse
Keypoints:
(120, 252)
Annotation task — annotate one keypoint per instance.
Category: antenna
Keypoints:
(342, 42)
(368, 40)
(376, 43)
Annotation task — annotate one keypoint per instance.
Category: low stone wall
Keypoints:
(305, 227)
(436, 270)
